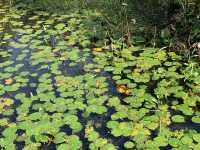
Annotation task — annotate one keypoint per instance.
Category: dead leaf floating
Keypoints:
(123, 89)
(8, 81)
(97, 49)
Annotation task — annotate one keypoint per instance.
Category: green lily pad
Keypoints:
(196, 119)
(178, 119)
(129, 145)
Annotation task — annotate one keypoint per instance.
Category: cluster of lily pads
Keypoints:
(160, 109)
(56, 92)
(47, 96)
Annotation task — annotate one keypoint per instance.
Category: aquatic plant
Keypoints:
(57, 90)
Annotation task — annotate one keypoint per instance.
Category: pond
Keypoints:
(59, 92)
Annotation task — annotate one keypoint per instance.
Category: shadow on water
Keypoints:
(188, 125)
(72, 71)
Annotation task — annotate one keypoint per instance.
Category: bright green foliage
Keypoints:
(178, 118)
(163, 86)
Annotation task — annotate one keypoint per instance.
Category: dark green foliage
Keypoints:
(158, 23)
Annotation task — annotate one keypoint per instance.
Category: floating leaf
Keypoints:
(8, 81)
(186, 140)
(60, 26)
(123, 89)
(196, 137)
(178, 119)
(97, 49)
(129, 145)
(196, 119)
